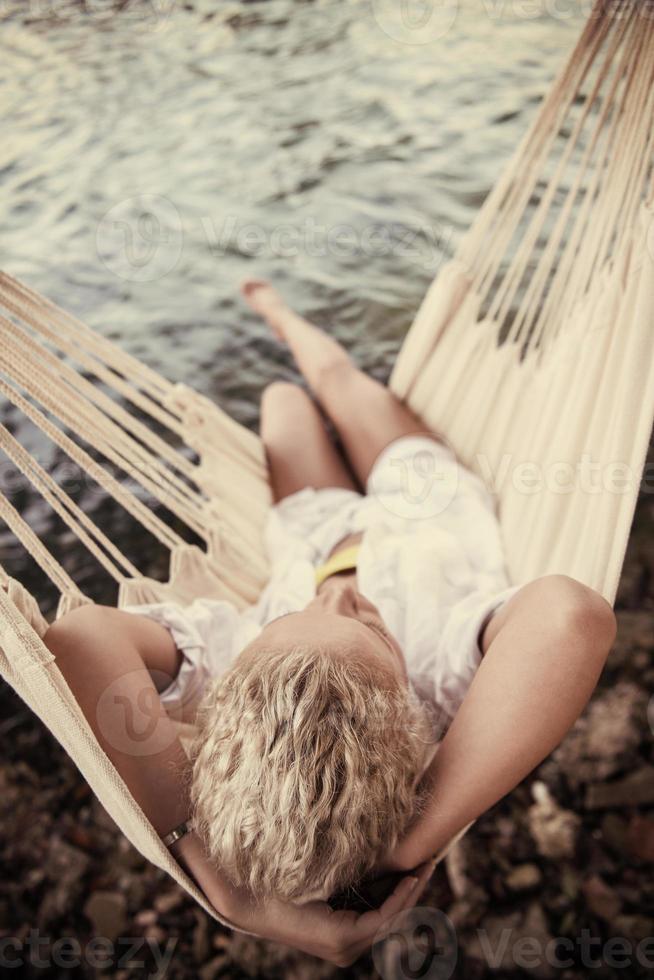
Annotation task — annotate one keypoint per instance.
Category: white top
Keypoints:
(430, 559)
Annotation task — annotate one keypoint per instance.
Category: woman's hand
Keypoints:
(337, 936)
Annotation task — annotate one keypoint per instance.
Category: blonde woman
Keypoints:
(388, 687)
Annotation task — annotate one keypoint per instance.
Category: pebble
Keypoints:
(523, 878)
(553, 828)
(614, 832)
(212, 968)
(634, 927)
(640, 838)
(636, 789)
(528, 935)
(107, 912)
(607, 734)
(602, 900)
(168, 901)
(147, 917)
(201, 938)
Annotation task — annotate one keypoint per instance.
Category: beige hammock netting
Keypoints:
(532, 352)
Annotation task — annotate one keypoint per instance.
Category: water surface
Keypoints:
(154, 156)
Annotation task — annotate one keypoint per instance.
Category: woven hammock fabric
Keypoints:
(533, 354)
(533, 351)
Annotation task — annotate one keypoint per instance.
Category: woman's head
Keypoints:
(308, 752)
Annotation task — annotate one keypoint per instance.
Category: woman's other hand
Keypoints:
(339, 936)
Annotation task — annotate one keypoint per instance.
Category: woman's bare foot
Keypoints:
(266, 301)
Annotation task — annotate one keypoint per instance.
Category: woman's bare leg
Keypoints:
(299, 451)
(367, 415)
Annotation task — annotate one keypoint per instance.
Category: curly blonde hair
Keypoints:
(305, 771)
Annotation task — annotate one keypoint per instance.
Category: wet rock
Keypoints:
(614, 832)
(604, 737)
(636, 789)
(569, 882)
(126, 856)
(466, 912)
(634, 631)
(523, 878)
(640, 838)
(221, 941)
(553, 828)
(145, 918)
(518, 941)
(612, 722)
(211, 969)
(602, 900)
(471, 899)
(169, 901)
(107, 912)
(457, 870)
(64, 869)
(201, 940)
(155, 936)
(634, 927)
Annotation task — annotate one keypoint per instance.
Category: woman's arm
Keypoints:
(109, 659)
(544, 652)
(100, 651)
(115, 663)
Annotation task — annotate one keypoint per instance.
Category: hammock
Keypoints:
(534, 345)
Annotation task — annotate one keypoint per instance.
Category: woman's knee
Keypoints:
(76, 629)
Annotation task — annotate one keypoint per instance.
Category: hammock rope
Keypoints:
(533, 352)
(545, 313)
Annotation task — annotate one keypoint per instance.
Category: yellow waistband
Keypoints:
(342, 561)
